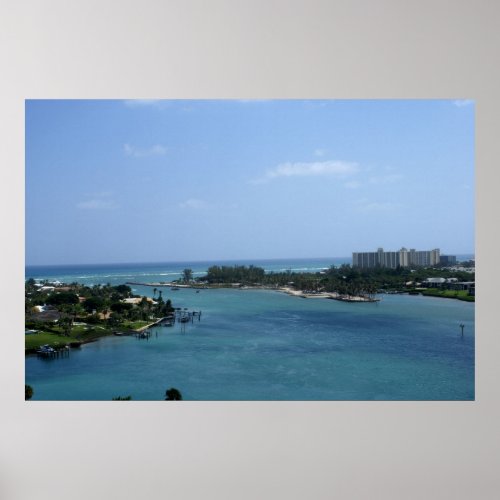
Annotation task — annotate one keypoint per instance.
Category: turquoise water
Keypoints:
(265, 345)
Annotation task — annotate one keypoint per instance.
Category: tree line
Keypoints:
(98, 304)
(344, 279)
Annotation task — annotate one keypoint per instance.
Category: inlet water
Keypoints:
(265, 345)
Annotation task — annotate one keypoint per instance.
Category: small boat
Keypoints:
(174, 288)
(45, 350)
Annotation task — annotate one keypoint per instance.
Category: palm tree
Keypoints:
(187, 275)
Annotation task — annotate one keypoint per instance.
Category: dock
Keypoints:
(45, 351)
(179, 315)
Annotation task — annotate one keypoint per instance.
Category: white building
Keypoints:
(402, 257)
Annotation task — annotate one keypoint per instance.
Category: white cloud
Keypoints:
(194, 204)
(156, 150)
(97, 204)
(460, 103)
(339, 169)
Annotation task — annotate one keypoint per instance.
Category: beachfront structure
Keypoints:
(403, 258)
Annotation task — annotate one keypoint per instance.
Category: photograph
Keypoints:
(249, 250)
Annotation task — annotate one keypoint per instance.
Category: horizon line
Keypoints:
(195, 261)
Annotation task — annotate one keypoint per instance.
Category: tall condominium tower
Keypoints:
(403, 258)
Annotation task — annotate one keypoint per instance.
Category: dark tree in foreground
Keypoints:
(173, 394)
(28, 392)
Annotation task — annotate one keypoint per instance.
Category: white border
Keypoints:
(248, 49)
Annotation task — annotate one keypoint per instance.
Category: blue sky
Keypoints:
(151, 181)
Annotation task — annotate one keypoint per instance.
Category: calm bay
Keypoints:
(266, 345)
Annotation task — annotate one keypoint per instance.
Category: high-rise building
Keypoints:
(448, 260)
(403, 258)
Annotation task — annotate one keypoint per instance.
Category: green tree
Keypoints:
(66, 324)
(94, 304)
(115, 319)
(62, 298)
(121, 307)
(28, 392)
(173, 394)
(123, 290)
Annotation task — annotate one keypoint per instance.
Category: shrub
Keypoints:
(173, 394)
(28, 392)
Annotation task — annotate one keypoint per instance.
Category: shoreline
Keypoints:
(287, 290)
(326, 295)
(77, 344)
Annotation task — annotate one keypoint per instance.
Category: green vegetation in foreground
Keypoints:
(448, 294)
(173, 394)
(28, 392)
(79, 314)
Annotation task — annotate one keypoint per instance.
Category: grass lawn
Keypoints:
(55, 338)
(134, 325)
(37, 339)
(449, 294)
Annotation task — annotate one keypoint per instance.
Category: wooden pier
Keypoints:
(181, 316)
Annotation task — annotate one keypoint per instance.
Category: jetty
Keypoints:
(157, 284)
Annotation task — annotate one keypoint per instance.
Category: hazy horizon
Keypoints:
(138, 181)
(200, 261)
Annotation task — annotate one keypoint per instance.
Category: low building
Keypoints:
(463, 285)
(434, 282)
(440, 283)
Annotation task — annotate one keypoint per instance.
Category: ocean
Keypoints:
(265, 345)
(93, 274)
